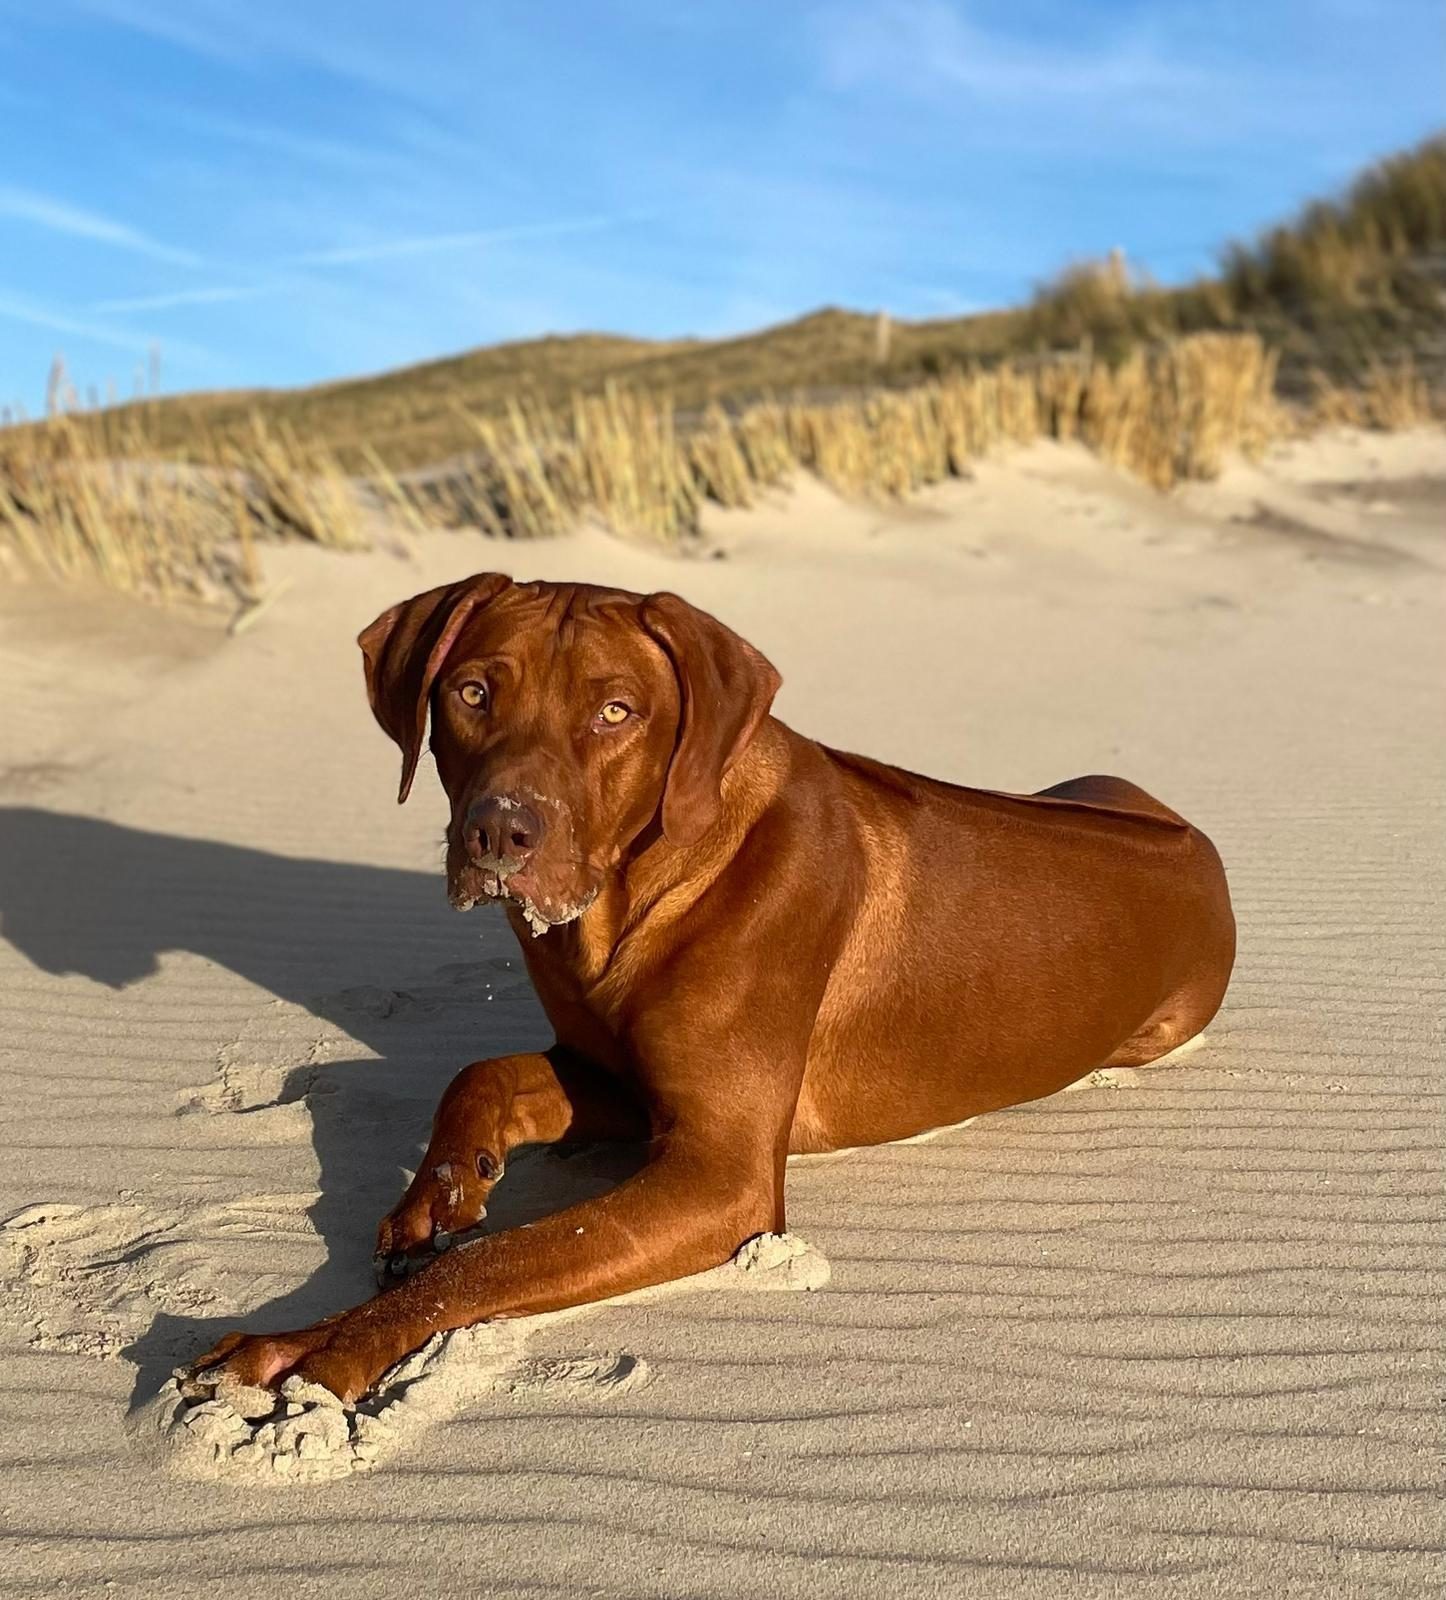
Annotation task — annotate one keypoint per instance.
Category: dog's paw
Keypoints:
(445, 1205)
(254, 1361)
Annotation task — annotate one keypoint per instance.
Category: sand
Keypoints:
(1175, 1327)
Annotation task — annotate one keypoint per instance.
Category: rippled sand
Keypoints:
(1175, 1325)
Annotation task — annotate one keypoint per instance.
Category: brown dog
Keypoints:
(747, 944)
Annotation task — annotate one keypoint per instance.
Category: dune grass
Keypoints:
(1388, 397)
(1360, 247)
(137, 521)
(115, 508)
(118, 512)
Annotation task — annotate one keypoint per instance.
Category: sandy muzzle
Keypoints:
(472, 883)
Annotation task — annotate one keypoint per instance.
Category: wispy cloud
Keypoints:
(350, 45)
(382, 250)
(220, 295)
(18, 308)
(260, 136)
(58, 216)
(180, 354)
(426, 244)
(201, 28)
(925, 46)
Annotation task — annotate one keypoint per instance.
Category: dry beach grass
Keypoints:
(78, 504)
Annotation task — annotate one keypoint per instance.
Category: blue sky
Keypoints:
(283, 191)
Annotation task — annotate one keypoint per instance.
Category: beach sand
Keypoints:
(1177, 1326)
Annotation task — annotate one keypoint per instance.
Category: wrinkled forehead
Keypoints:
(560, 631)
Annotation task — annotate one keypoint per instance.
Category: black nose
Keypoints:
(508, 830)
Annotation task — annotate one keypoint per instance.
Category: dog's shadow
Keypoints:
(373, 951)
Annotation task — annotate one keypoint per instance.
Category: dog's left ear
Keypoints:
(725, 688)
(405, 649)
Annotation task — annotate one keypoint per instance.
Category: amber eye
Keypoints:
(614, 713)
(473, 694)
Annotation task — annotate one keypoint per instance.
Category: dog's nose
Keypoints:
(508, 830)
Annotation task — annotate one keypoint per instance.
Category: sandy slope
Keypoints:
(1180, 1325)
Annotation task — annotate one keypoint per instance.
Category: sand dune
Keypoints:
(1180, 1325)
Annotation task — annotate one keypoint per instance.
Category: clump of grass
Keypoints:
(76, 503)
(634, 472)
(1349, 249)
(1101, 303)
(1391, 396)
(134, 525)
(536, 470)
(1173, 413)
(512, 485)
(1166, 415)
(719, 459)
(295, 491)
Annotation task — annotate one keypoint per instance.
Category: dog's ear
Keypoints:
(725, 688)
(405, 649)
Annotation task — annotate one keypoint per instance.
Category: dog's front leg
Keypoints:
(490, 1109)
(701, 1196)
(719, 1069)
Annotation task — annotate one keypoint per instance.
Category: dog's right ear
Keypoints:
(405, 649)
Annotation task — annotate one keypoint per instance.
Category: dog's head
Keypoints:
(568, 723)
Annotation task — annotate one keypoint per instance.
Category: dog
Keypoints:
(748, 945)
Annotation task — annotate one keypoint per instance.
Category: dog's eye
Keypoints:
(614, 713)
(474, 695)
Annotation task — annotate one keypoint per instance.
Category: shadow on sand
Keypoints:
(89, 897)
